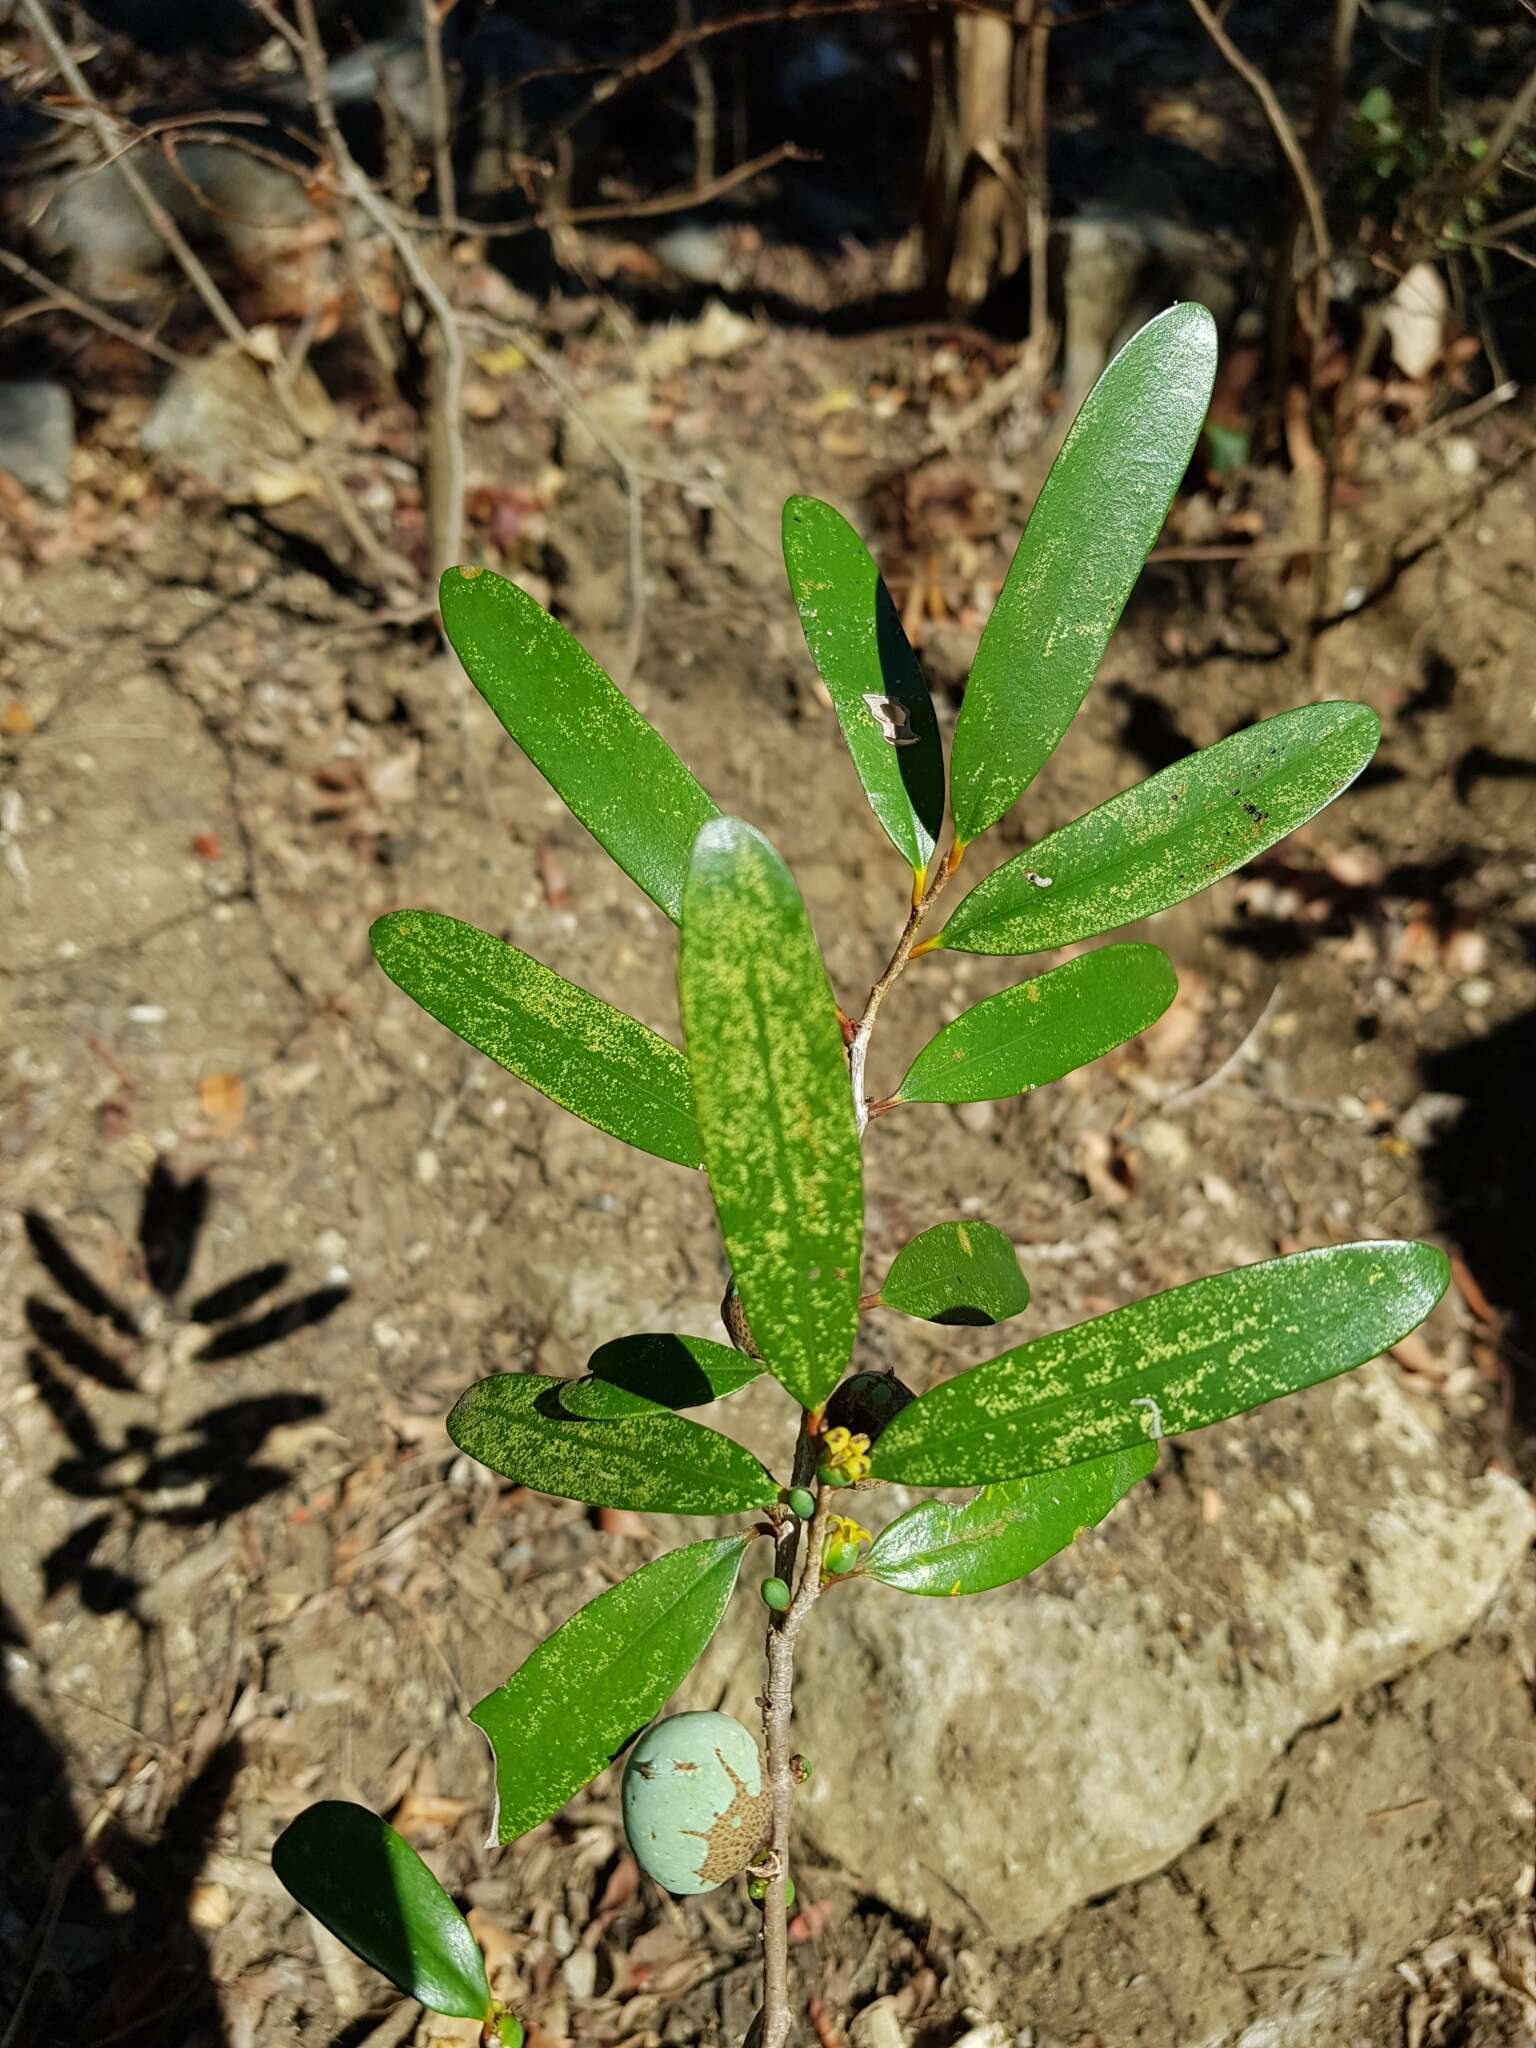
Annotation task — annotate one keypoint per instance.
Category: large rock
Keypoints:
(1018, 1753)
(37, 436)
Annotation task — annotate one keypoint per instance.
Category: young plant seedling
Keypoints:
(769, 1098)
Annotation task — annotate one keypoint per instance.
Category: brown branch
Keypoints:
(437, 100)
(59, 297)
(1512, 120)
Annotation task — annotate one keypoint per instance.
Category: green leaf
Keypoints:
(1042, 1029)
(631, 1373)
(370, 1888)
(775, 1109)
(610, 767)
(1169, 837)
(957, 1273)
(1174, 1362)
(1005, 1532)
(646, 1457)
(1097, 515)
(591, 1687)
(876, 685)
(604, 1066)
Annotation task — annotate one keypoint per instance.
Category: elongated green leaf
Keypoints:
(370, 1888)
(610, 767)
(592, 1686)
(602, 1065)
(772, 1096)
(874, 679)
(1097, 515)
(1006, 1531)
(631, 1373)
(1042, 1029)
(1170, 836)
(519, 1425)
(957, 1273)
(1174, 1362)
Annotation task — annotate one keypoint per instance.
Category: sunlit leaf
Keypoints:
(858, 644)
(1042, 1029)
(1096, 517)
(1006, 1531)
(644, 1457)
(607, 763)
(371, 1889)
(588, 1689)
(1170, 836)
(957, 1273)
(678, 1372)
(604, 1066)
(774, 1106)
(1174, 1362)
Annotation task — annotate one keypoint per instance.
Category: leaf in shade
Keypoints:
(1042, 1029)
(602, 1065)
(1096, 517)
(632, 1373)
(609, 766)
(775, 1110)
(1174, 1362)
(957, 1273)
(591, 1687)
(1169, 837)
(371, 1889)
(1005, 1532)
(861, 652)
(643, 1457)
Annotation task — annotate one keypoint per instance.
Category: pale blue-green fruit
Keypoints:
(695, 1810)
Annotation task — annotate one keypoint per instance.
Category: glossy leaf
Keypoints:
(1042, 1029)
(1097, 515)
(775, 1110)
(371, 1889)
(957, 1273)
(1005, 1532)
(602, 1065)
(609, 766)
(862, 654)
(645, 1457)
(678, 1372)
(590, 1688)
(1174, 1362)
(1170, 836)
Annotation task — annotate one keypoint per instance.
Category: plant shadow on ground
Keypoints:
(84, 1964)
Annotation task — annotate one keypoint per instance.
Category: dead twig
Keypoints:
(437, 101)
(59, 298)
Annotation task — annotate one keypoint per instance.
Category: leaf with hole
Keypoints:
(1169, 837)
(862, 654)
(370, 1888)
(629, 1374)
(643, 1457)
(1174, 1362)
(608, 765)
(957, 1273)
(590, 1688)
(1005, 1532)
(775, 1111)
(1097, 515)
(1042, 1029)
(602, 1065)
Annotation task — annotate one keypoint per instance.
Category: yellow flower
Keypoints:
(844, 1539)
(845, 1456)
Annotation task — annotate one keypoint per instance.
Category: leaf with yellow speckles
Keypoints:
(957, 1273)
(1097, 515)
(609, 765)
(679, 1372)
(1004, 1532)
(860, 649)
(1174, 1362)
(774, 1106)
(588, 1689)
(1041, 1029)
(602, 1065)
(1169, 837)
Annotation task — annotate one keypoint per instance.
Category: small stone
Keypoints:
(209, 1907)
(979, 1118)
(1460, 456)
(37, 436)
(428, 1167)
(1477, 993)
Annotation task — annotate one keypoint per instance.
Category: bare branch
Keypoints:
(60, 297)
(441, 116)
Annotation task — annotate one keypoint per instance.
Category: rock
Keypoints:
(1014, 1755)
(37, 436)
(220, 417)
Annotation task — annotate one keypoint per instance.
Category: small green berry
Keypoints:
(841, 1559)
(802, 1769)
(757, 1891)
(509, 2030)
(801, 1501)
(775, 1594)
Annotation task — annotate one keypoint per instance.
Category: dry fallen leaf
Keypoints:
(222, 1099)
